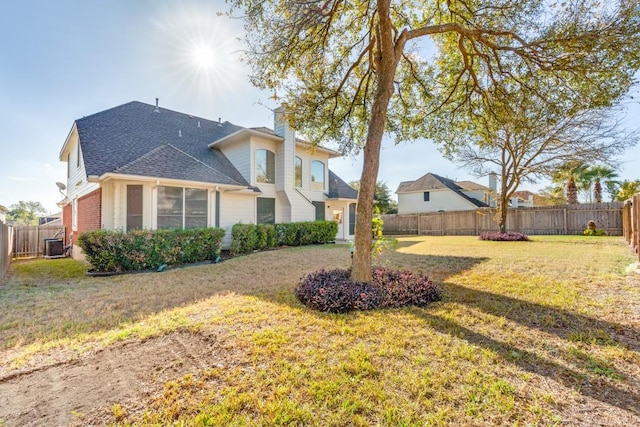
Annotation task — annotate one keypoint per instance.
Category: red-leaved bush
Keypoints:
(507, 236)
(334, 291)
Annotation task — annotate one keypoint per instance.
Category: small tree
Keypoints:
(381, 197)
(598, 174)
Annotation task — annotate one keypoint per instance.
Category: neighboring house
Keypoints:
(51, 220)
(433, 193)
(527, 199)
(138, 166)
(3, 214)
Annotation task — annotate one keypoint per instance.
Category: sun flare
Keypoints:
(203, 56)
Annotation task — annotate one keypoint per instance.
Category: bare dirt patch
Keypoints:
(82, 391)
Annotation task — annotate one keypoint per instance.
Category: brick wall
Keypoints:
(90, 211)
(67, 221)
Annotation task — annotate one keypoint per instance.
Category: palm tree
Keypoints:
(598, 174)
(573, 177)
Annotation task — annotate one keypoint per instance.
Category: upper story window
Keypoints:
(69, 165)
(317, 175)
(265, 166)
(425, 196)
(297, 165)
(78, 155)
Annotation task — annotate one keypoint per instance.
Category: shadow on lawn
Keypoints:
(531, 362)
(549, 319)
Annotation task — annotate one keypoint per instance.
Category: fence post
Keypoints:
(564, 226)
(418, 223)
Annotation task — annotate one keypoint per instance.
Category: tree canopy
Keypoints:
(25, 213)
(353, 71)
(381, 197)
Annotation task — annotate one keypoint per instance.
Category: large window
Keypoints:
(297, 165)
(265, 167)
(134, 207)
(317, 175)
(266, 209)
(182, 207)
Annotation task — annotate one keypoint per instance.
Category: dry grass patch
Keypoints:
(538, 333)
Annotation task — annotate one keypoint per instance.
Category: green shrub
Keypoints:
(596, 232)
(306, 233)
(246, 238)
(116, 251)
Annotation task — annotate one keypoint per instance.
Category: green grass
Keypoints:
(524, 332)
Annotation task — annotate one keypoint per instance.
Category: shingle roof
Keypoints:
(338, 189)
(432, 181)
(170, 162)
(133, 138)
(471, 186)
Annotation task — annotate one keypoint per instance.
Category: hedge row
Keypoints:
(247, 238)
(116, 251)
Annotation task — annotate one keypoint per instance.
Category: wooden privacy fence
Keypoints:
(6, 241)
(28, 241)
(559, 219)
(631, 223)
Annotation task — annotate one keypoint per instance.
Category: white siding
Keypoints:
(240, 156)
(445, 200)
(235, 208)
(77, 184)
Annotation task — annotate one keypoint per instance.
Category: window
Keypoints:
(265, 167)
(74, 214)
(352, 219)
(182, 207)
(195, 208)
(297, 165)
(319, 210)
(266, 209)
(134, 207)
(78, 155)
(317, 175)
(68, 166)
(425, 196)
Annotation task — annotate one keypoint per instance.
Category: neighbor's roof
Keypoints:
(432, 181)
(135, 139)
(3, 209)
(472, 186)
(338, 189)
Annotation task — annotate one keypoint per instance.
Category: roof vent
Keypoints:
(219, 121)
(198, 123)
(180, 133)
(157, 110)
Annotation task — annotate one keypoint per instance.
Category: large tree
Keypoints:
(523, 139)
(26, 213)
(352, 70)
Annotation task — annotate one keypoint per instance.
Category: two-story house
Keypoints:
(139, 166)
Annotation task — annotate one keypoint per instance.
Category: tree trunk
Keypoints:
(386, 60)
(572, 192)
(361, 267)
(597, 192)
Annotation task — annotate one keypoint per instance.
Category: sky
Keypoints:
(64, 59)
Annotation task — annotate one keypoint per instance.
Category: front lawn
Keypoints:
(528, 333)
